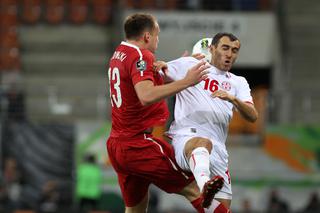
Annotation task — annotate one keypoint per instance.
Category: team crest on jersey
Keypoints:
(141, 65)
(226, 85)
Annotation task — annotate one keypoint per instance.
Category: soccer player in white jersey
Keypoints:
(202, 115)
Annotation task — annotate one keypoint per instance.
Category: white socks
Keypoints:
(199, 165)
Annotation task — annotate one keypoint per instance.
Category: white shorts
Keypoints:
(218, 162)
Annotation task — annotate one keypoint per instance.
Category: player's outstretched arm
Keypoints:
(247, 110)
(162, 66)
(148, 93)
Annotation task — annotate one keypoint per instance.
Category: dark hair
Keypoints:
(218, 36)
(136, 24)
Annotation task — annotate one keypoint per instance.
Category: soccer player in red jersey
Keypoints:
(137, 96)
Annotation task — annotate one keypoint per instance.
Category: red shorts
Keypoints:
(141, 161)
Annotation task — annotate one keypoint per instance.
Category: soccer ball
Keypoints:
(202, 46)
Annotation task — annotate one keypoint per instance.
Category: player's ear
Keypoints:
(211, 48)
(146, 36)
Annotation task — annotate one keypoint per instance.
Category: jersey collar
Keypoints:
(128, 44)
(221, 72)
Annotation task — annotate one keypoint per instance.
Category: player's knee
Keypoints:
(197, 142)
(204, 142)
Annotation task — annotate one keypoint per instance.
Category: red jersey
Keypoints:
(128, 66)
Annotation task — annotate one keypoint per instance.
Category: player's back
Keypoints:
(128, 66)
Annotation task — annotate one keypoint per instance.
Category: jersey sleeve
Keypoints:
(142, 67)
(244, 92)
(178, 68)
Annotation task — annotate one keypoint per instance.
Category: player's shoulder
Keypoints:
(237, 78)
(185, 60)
(189, 59)
(135, 51)
(147, 54)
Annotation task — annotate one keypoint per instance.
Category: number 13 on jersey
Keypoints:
(114, 77)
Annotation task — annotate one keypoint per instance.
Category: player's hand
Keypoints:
(185, 53)
(222, 95)
(160, 66)
(198, 56)
(197, 73)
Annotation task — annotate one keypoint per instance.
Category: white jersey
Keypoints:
(197, 114)
(196, 110)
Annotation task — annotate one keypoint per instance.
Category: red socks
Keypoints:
(197, 205)
(219, 209)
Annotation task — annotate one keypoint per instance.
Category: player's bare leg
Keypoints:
(225, 202)
(140, 208)
(192, 193)
(219, 206)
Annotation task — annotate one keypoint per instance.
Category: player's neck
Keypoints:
(139, 44)
(219, 71)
